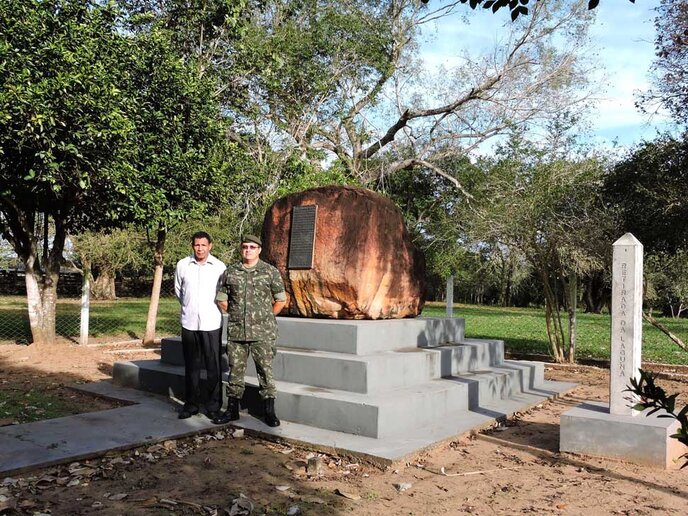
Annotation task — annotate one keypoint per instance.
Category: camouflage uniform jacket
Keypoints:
(250, 294)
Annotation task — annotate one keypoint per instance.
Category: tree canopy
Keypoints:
(649, 189)
(670, 67)
(515, 7)
(63, 128)
(98, 127)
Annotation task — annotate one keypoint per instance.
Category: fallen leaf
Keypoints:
(118, 497)
(297, 466)
(27, 504)
(314, 499)
(283, 488)
(314, 466)
(149, 502)
(402, 486)
(84, 472)
(7, 503)
(350, 496)
(241, 506)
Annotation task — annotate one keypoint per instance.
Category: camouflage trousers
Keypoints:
(263, 352)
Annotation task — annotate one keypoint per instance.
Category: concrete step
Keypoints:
(378, 415)
(370, 373)
(364, 337)
(501, 382)
(372, 415)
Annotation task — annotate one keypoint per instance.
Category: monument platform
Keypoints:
(411, 382)
(590, 429)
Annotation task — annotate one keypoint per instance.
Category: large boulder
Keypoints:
(364, 264)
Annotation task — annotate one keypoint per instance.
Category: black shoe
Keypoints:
(231, 414)
(187, 413)
(222, 418)
(270, 417)
(213, 414)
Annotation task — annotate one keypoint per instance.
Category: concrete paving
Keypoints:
(152, 418)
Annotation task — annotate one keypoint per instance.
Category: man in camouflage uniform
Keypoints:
(252, 292)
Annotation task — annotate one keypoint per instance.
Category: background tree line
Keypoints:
(127, 125)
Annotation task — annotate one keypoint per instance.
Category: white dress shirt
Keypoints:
(195, 285)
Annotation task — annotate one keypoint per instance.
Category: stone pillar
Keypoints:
(450, 296)
(627, 321)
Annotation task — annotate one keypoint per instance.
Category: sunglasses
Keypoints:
(246, 246)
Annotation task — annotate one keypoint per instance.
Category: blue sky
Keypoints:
(623, 36)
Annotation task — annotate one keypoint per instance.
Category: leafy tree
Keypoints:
(549, 209)
(104, 254)
(649, 189)
(670, 68)
(360, 101)
(666, 282)
(515, 7)
(180, 153)
(63, 125)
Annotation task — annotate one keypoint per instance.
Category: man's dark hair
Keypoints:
(201, 234)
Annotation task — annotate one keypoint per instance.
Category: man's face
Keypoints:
(250, 252)
(201, 248)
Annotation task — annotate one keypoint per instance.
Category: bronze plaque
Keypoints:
(302, 237)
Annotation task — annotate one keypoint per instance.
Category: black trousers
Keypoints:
(202, 349)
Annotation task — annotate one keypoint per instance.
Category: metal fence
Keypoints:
(118, 320)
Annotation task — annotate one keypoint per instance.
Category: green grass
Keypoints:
(26, 407)
(523, 331)
(124, 317)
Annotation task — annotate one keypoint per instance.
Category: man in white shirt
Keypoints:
(195, 284)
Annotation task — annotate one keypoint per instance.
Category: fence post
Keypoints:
(450, 296)
(85, 305)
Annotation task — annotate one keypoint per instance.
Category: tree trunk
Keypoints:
(41, 297)
(674, 338)
(572, 302)
(158, 259)
(555, 332)
(595, 293)
(85, 302)
(103, 287)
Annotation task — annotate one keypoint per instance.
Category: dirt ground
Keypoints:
(508, 469)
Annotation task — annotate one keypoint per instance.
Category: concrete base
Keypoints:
(394, 385)
(590, 429)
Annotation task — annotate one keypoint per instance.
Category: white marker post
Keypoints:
(627, 323)
(450, 296)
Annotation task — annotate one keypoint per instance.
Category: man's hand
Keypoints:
(277, 306)
(223, 305)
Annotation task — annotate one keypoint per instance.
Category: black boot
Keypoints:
(231, 414)
(270, 417)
